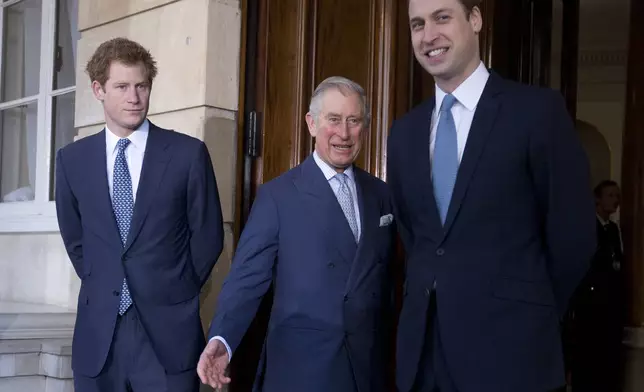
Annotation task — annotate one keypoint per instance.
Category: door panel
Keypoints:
(305, 42)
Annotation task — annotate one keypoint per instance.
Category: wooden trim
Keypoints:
(569, 54)
(381, 85)
(632, 209)
(239, 165)
(258, 77)
(371, 89)
(487, 32)
(306, 43)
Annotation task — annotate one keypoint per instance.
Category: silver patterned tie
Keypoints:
(345, 199)
(123, 205)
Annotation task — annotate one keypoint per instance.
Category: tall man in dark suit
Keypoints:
(491, 193)
(322, 234)
(140, 217)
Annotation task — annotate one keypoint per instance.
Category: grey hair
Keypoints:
(345, 86)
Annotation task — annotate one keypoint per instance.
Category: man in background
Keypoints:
(598, 309)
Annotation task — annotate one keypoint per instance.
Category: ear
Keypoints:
(98, 91)
(476, 19)
(310, 122)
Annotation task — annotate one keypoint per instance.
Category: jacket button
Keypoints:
(427, 292)
(331, 265)
(346, 299)
(440, 252)
(116, 293)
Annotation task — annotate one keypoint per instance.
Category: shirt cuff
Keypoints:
(230, 353)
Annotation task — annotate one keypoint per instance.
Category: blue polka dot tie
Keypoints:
(123, 205)
(345, 198)
(445, 159)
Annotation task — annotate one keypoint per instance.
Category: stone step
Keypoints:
(35, 384)
(33, 321)
(35, 348)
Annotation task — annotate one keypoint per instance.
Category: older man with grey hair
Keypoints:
(322, 235)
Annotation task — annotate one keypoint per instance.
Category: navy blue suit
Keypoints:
(175, 238)
(518, 237)
(332, 303)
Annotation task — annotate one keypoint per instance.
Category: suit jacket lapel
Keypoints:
(482, 124)
(326, 210)
(369, 205)
(421, 162)
(97, 183)
(155, 161)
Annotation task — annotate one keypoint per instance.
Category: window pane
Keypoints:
(66, 37)
(21, 54)
(18, 139)
(63, 131)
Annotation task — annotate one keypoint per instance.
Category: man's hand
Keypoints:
(212, 364)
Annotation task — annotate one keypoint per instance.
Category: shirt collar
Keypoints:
(138, 138)
(328, 171)
(602, 221)
(469, 92)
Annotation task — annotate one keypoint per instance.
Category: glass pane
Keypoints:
(21, 54)
(63, 131)
(67, 36)
(18, 139)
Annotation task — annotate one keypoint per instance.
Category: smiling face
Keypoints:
(338, 128)
(445, 40)
(125, 97)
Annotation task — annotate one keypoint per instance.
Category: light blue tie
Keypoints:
(445, 159)
(345, 199)
(123, 205)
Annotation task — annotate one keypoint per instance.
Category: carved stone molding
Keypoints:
(30, 321)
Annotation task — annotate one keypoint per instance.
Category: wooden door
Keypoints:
(290, 47)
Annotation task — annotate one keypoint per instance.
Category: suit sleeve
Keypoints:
(204, 215)
(561, 176)
(69, 219)
(251, 273)
(395, 187)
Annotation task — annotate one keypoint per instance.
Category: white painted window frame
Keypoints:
(39, 215)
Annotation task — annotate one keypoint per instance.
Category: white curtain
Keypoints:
(68, 35)
(19, 125)
(21, 67)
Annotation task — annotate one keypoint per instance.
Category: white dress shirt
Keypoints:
(133, 155)
(467, 96)
(329, 173)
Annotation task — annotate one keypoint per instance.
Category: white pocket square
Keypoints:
(386, 220)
